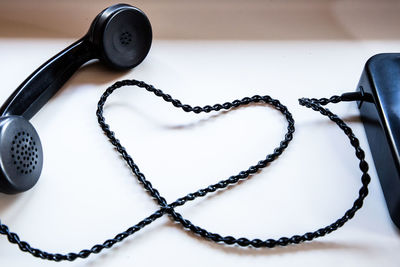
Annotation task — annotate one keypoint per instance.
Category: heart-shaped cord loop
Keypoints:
(165, 208)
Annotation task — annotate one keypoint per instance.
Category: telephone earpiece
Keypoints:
(120, 36)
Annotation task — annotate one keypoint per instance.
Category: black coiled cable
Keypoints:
(165, 208)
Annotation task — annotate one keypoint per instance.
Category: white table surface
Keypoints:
(87, 194)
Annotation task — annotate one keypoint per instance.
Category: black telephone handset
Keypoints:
(120, 36)
(381, 118)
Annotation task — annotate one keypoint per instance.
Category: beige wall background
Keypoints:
(214, 19)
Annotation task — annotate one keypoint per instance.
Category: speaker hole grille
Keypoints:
(24, 152)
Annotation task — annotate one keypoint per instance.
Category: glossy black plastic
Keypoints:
(120, 36)
(381, 119)
(42, 84)
(21, 156)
